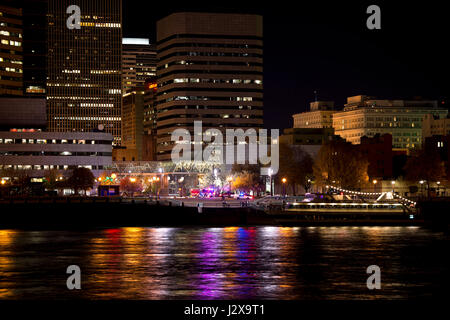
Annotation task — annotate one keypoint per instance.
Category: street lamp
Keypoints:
(421, 186)
(270, 176)
(374, 185)
(438, 184)
(393, 185)
(284, 186)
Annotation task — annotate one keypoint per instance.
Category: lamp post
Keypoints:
(374, 185)
(393, 185)
(421, 187)
(284, 186)
(438, 184)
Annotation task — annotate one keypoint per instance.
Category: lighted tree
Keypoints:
(247, 178)
(81, 179)
(342, 164)
(51, 180)
(130, 185)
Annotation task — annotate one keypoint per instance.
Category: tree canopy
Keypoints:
(343, 163)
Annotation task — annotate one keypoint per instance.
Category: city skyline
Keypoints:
(403, 60)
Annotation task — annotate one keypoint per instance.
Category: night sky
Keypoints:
(327, 47)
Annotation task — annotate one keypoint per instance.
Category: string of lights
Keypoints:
(370, 194)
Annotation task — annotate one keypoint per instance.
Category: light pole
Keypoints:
(438, 184)
(270, 177)
(284, 186)
(421, 187)
(393, 185)
(374, 185)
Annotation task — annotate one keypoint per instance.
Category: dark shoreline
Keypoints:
(73, 213)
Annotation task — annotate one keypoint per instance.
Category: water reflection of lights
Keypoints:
(6, 237)
(6, 240)
(270, 231)
(209, 256)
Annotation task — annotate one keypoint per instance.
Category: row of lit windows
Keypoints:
(84, 85)
(71, 98)
(104, 71)
(89, 118)
(211, 63)
(52, 141)
(10, 34)
(100, 25)
(11, 43)
(8, 69)
(97, 105)
(198, 80)
(48, 167)
(10, 60)
(54, 154)
(202, 98)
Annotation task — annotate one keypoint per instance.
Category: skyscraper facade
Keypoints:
(11, 51)
(138, 62)
(210, 68)
(34, 47)
(84, 87)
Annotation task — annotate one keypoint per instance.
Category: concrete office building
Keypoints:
(24, 145)
(210, 68)
(138, 62)
(11, 51)
(84, 87)
(366, 116)
(309, 139)
(434, 126)
(39, 151)
(319, 116)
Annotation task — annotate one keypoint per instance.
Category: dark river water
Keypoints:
(224, 263)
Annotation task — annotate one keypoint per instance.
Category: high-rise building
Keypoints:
(84, 87)
(319, 116)
(210, 68)
(34, 47)
(132, 121)
(149, 121)
(11, 51)
(138, 62)
(366, 116)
